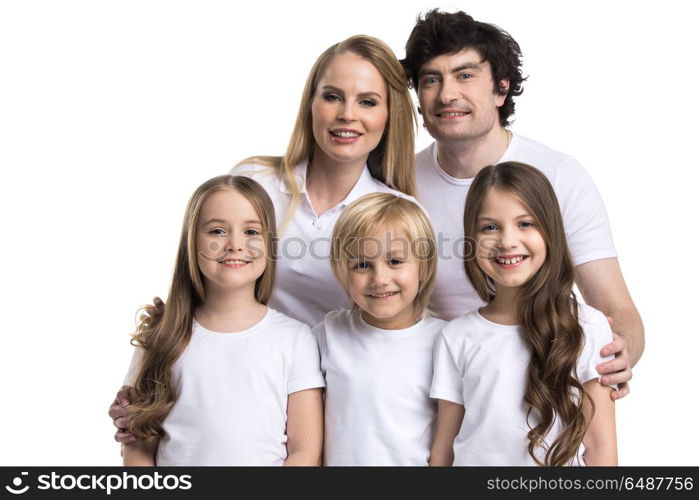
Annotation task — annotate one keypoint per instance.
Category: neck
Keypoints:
(463, 159)
(329, 182)
(227, 310)
(503, 308)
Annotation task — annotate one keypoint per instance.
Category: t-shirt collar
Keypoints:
(365, 184)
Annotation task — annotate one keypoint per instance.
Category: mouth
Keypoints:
(384, 295)
(452, 114)
(344, 136)
(234, 263)
(509, 261)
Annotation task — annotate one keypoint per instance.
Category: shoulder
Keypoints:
(462, 327)
(425, 158)
(383, 188)
(588, 316)
(543, 157)
(433, 324)
(262, 171)
(285, 325)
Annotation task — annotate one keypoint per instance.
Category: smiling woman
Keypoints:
(354, 135)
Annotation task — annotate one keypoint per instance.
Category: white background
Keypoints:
(111, 113)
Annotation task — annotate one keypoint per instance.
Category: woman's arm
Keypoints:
(449, 417)
(139, 454)
(304, 427)
(600, 438)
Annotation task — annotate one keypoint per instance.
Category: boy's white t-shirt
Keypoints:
(232, 393)
(377, 405)
(483, 366)
(584, 217)
(305, 287)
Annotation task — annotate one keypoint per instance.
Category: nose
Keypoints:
(346, 112)
(379, 275)
(508, 238)
(447, 91)
(235, 242)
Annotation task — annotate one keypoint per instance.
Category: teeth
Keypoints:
(344, 133)
(453, 114)
(510, 261)
(383, 295)
(233, 261)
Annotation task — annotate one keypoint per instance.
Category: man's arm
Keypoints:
(602, 286)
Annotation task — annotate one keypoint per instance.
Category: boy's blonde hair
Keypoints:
(363, 217)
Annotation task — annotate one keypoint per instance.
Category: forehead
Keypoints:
(383, 240)
(498, 204)
(229, 205)
(353, 73)
(446, 63)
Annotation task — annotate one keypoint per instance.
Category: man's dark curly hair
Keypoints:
(438, 33)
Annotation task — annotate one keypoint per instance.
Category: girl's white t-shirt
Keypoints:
(233, 390)
(483, 366)
(377, 405)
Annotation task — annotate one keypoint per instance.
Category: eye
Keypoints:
(251, 231)
(526, 224)
(368, 103)
(488, 228)
(464, 76)
(218, 231)
(429, 80)
(361, 265)
(396, 262)
(331, 98)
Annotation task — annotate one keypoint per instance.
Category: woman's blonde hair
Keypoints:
(164, 330)
(392, 161)
(363, 217)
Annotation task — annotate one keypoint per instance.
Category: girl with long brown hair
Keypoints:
(218, 377)
(515, 381)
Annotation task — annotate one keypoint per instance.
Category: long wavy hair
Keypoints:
(164, 330)
(547, 310)
(363, 217)
(392, 161)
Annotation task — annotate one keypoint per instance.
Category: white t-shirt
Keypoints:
(483, 366)
(305, 287)
(232, 393)
(377, 405)
(584, 217)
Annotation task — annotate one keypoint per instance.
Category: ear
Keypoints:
(503, 89)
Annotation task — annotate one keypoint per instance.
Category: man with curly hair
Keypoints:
(466, 74)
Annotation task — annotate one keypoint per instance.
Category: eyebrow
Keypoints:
(221, 221)
(523, 216)
(361, 94)
(461, 67)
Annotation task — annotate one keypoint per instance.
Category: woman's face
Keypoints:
(349, 110)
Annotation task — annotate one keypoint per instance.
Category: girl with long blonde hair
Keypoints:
(516, 380)
(207, 387)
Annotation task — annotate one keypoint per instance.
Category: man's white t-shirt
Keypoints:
(233, 390)
(443, 196)
(377, 405)
(305, 287)
(483, 366)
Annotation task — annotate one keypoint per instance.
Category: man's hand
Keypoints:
(618, 370)
(119, 412)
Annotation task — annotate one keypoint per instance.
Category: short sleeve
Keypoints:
(587, 228)
(305, 364)
(131, 374)
(597, 335)
(447, 378)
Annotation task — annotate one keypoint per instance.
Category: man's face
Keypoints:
(457, 98)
